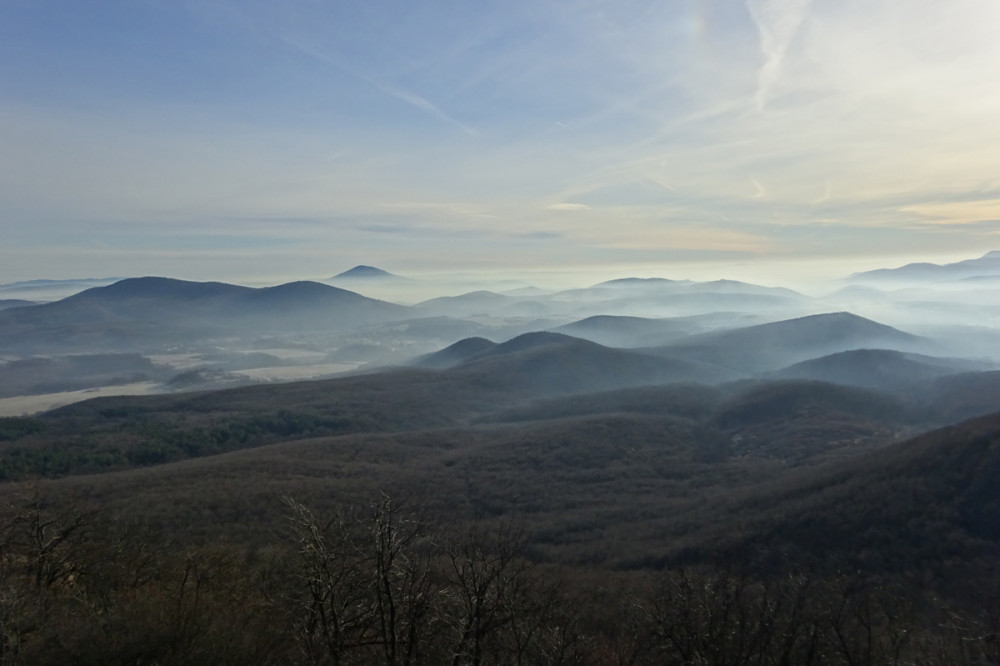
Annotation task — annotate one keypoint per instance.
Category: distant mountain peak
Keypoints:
(364, 272)
(633, 281)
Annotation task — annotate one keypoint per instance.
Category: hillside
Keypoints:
(546, 363)
(986, 266)
(139, 313)
(769, 347)
(878, 368)
(454, 354)
(928, 502)
(365, 273)
(475, 302)
(635, 332)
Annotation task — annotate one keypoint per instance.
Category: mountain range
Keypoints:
(984, 267)
(713, 455)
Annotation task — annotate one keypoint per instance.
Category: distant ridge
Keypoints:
(769, 347)
(987, 265)
(634, 281)
(14, 303)
(158, 309)
(58, 283)
(552, 363)
(884, 369)
(365, 273)
(457, 353)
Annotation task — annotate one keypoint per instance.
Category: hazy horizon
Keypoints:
(812, 276)
(700, 139)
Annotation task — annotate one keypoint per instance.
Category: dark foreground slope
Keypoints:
(340, 572)
(636, 523)
(932, 503)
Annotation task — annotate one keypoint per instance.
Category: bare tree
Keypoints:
(369, 594)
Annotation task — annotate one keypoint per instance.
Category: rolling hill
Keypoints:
(769, 347)
(151, 311)
(927, 503)
(365, 273)
(634, 332)
(986, 266)
(547, 363)
(879, 368)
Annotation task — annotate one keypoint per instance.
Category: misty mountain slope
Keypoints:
(987, 265)
(689, 401)
(714, 286)
(966, 395)
(635, 332)
(454, 354)
(794, 421)
(313, 304)
(366, 273)
(883, 369)
(155, 311)
(15, 303)
(221, 421)
(540, 363)
(922, 503)
(768, 347)
(692, 303)
(802, 421)
(472, 303)
(527, 341)
(761, 402)
(658, 298)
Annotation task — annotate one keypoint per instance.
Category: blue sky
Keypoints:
(218, 139)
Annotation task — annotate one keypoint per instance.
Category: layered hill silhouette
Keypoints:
(366, 273)
(768, 347)
(154, 310)
(675, 298)
(471, 303)
(14, 303)
(549, 363)
(622, 331)
(457, 353)
(986, 266)
(879, 368)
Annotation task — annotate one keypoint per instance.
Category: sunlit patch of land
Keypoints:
(294, 372)
(23, 405)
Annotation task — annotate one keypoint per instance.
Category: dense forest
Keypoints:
(290, 552)
(380, 584)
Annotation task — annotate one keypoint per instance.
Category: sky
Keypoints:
(259, 140)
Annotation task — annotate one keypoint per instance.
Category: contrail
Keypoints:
(777, 22)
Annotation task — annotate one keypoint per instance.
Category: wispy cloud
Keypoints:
(567, 207)
(958, 212)
(813, 127)
(409, 97)
(417, 102)
(777, 23)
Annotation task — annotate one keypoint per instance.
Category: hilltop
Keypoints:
(365, 273)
